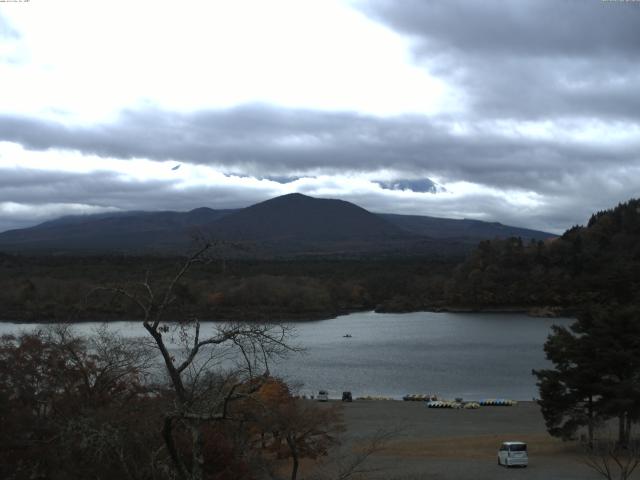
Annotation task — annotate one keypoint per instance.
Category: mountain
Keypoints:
(301, 218)
(113, 232)
(290, 224)
(472, 230)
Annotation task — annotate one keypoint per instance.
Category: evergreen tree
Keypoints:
(614, 334)
(596, 374)
(568, 392)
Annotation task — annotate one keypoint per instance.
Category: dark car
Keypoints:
(346, 397)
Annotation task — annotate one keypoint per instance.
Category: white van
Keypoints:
(513, 454)
(323, 396)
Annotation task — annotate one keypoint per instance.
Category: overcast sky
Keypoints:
(522, 112)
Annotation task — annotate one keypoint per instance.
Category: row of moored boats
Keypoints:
(432, 401)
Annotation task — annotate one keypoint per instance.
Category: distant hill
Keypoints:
(473, 230)
(289, 224)
(152, 232)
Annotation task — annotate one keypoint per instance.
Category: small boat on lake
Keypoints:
(348, 335)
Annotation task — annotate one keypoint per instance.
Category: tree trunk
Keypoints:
(591, 420)
(294, 456)
(621, 430)
(167, 434)
(197, 444)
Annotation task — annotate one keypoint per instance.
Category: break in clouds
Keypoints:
(546, 130)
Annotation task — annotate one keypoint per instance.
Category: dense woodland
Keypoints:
(599, 263)
(63, 288)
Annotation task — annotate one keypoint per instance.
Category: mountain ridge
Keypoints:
(288, 224)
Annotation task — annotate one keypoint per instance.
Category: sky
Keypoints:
(525, 112)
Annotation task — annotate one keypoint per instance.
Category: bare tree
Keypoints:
(612, 460)
(353, 463)
(203, 389)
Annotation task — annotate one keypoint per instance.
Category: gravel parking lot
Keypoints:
(447, 444)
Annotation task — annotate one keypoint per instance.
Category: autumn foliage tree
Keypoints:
(71, 406)
(294, 428)
(87, 407)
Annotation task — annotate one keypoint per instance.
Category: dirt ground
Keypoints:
(443, 444)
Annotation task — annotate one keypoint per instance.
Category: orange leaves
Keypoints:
(274, 393)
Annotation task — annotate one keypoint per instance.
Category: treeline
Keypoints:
(599, 263)
(71, 288)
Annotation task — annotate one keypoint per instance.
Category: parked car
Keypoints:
(346, 397)
(323, 396)
(513, 454)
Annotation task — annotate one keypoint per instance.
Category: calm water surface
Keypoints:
(469, 355)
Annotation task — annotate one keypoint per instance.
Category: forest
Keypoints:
(53, 289)
(597, 263)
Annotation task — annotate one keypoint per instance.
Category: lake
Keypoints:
(469, 355)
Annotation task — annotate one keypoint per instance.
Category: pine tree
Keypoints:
(596, 374)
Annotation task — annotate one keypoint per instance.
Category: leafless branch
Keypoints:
(345, 465)
(612, 461)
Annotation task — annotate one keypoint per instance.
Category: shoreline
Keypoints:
(541, 311)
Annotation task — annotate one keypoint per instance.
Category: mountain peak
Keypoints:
(295, 198)
(299, 217)
(292, 196)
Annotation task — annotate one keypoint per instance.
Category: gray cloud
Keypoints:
(107, 189)
(43, 195)
(271, 142)
(571, 179)
(528, 58)
(46, 195)
(98, 189)
(424, 185)
(283, 179)
(532, 28)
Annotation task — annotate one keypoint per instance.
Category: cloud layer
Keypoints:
(539, 127)
(262, 141)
